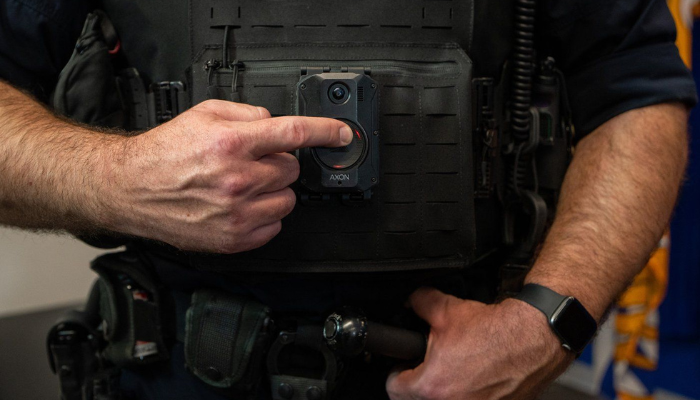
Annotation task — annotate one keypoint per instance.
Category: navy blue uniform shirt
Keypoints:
(616, 55)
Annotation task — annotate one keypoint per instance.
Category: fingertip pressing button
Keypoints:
(345, 135)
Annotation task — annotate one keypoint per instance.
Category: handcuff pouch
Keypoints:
(226, 339)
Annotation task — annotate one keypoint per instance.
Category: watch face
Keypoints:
(573, 324)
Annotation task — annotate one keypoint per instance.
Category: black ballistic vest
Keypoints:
(424, 55)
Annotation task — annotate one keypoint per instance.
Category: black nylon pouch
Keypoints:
(226, 340)
(89, 74)
(131, 307)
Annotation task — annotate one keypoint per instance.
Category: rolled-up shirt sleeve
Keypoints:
(616, 56)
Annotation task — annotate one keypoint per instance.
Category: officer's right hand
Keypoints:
(216, 178)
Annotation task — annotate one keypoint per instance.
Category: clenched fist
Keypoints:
(216, 178)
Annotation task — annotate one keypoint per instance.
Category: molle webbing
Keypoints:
(421, 215)
(313, 21)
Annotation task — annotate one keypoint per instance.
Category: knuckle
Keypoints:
(263, 113)
(231, 240)
(289, 201)
(394, 389)
(296, 129)
(294, 169)
(225, 140)
(253, 113)
(275, 229)
(235, 186)
(207, 105)
(438, 321)
(430, 391)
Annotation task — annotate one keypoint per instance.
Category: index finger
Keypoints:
(283, 134)
(231, 111)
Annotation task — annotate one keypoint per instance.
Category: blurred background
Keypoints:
(39, 271)
(40, 276)
(649, 349)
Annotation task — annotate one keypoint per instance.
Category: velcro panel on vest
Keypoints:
(421, 214)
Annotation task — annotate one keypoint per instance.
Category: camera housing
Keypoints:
(350, 171)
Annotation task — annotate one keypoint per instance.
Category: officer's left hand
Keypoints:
(479, 351)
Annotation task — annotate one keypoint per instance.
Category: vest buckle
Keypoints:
(166, 100)
(487, 135)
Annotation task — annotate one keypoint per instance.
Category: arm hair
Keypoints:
(52, 171)
(616, 202)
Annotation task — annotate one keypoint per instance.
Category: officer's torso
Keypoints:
(423, 54)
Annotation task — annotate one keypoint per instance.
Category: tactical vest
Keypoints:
(439, 66)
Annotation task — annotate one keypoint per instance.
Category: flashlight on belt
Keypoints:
(349, 333)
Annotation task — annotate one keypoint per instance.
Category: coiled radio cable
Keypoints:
(523, 69)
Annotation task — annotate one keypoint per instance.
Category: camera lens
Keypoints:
(338, 93)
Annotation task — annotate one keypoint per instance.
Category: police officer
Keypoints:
(216, 179)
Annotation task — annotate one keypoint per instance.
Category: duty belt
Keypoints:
(229, 340)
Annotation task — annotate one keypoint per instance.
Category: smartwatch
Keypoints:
(567, 317)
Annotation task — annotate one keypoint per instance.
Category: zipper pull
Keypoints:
(212, 90)
(235, 66)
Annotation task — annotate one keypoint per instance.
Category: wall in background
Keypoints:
(40, 271)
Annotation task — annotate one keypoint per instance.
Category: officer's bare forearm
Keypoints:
(51, 171)
(615, 204)
(215, 178)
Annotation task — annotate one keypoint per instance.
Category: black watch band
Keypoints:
(567, 317)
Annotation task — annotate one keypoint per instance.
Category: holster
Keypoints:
(73, 345)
